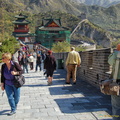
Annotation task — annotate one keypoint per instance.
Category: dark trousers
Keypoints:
(31, 65)
(25, 67)
(38, 65)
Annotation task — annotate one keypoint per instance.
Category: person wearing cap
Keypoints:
(50, 66)
(72, 62)
(115, 100)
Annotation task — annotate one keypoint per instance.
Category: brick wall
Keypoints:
(93, 66)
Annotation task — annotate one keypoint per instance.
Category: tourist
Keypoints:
(38, 62)
(73, 61)
(115, 100)
(50, 66)
(31, 61)
(24, 62)
(20, 57)
(43, 54)
(8, 70)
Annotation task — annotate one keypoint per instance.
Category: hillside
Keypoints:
(32, 3)
(107, 18)
(69, 11)
(90, 33)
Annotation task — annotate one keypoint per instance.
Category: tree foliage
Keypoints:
(9, 45)
(65, 47)
(61, 47)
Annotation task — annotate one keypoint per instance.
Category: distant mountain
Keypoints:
(103, 3)
(68, 6)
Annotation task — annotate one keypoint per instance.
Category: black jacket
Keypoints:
(24, 61)
(38, 60)
(50, 62)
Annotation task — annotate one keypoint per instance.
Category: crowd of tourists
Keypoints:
(26, 59)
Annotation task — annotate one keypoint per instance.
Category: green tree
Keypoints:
(61, 47)
(65, 47)
(9, 45)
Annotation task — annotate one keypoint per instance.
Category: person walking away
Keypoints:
(24, 62)
(72, 62)
(38, 62)
(115, 100)
(43, 58)
(31, 61)
(19, 57)
(50, 66)
(8, 70)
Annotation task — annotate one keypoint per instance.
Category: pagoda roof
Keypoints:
(46, 22)
(21, 34)
(51, 25)
(21, 21)
(21, 16)
(52, 28)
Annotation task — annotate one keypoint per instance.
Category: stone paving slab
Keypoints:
(58, 101)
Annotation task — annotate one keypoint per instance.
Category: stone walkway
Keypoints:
(57, 102)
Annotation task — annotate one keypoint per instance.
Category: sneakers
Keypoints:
(11, 113)
(74, 83)
(44, 73)
(67, 82)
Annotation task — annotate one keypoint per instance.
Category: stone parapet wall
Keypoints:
(93, 67)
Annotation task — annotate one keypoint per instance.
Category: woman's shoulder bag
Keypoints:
(110, 86)
(19, 80)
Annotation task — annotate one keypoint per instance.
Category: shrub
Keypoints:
(61, 47)
(9, 45)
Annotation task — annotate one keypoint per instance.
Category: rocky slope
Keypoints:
(103, 3)
(91, 33)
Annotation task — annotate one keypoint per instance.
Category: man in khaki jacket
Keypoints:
(73, 61)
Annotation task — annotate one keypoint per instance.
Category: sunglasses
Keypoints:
(3, 58)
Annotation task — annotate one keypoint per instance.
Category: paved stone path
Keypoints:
(57, 102)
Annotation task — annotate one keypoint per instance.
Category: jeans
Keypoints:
(25, 67)
(13, 95)
(38, 65)
(42, 65)
(115, 100)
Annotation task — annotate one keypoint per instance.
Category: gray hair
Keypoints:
(72, 48)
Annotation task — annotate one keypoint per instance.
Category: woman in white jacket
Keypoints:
(31, 61)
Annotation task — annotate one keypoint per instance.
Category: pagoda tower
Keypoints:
(21, 28)
(51, 31)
